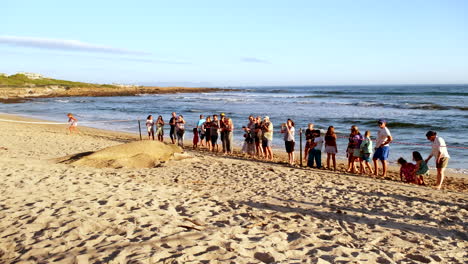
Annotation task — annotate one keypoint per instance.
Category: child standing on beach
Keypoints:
(366, 151)
(421, 168)
(150, 127)
(73, 123)
(195, 138)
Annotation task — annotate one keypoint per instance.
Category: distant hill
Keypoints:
(19, 87)
(21, 80)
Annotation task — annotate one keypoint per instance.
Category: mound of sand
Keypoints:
(138, 154)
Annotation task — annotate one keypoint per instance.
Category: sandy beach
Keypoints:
(211, 209)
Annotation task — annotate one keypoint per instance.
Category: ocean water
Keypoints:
(410, 111)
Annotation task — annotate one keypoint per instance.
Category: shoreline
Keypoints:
(278, 151)
(22, 94)
(209, 208)
(280, 156)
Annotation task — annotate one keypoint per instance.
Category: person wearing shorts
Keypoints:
(201, 133)
(382, 147)
(267, 132)
(366, 151)
(440, 153)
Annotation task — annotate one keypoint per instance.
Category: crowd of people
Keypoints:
(258, 138)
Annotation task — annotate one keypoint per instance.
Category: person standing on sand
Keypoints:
(382, 147)
(150, 127)
(330, 146)
(258, 136)
(440, 153)
(267, 142)
(222, 131)
(366, 150)
(228, 135)
(180, 130)
(289, 141)
(249, 135)
(73, 123)
(309, 136)
(201, 133)
(172, 123)
(315, 153)
(214, 130)
(206, 127)
(160, 128)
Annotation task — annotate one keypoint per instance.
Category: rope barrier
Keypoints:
(132, 120)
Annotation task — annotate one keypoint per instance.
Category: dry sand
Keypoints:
(210, 209)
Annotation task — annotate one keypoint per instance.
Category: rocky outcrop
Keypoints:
(18, 93)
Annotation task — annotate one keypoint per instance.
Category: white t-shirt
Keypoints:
(319, 142)
(382, 135)
(438, 145)
(289, 136)
(149, 122)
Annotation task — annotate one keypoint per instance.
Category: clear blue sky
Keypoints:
(238, 42)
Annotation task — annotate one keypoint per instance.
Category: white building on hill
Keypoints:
(32, 75)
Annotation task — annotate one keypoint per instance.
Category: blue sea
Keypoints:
(411, 110)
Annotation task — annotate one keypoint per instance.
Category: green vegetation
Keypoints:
(20, 80)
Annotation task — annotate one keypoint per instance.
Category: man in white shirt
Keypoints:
(382, 147)
(439, 151)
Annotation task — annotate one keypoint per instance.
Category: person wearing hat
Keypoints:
(382, 147)
(439, 151)
(267, 132)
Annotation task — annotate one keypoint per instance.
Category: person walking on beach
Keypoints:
(228, 135)
(440, 153)
(206, 127)
(309, 137)
(214, 130)
(172, 123)
(180, 130)
(201, 133)
(72, 124)
(330, 146)
(382, 147)
(150, 127)
(160, 128)
(289, 141)
(267, 141)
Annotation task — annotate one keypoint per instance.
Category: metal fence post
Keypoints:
(300, 145)
(139, 128)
